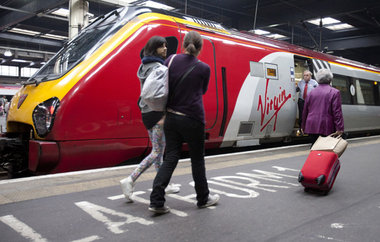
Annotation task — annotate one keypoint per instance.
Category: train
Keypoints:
(8, 90)
(6, 93)
(79, 111)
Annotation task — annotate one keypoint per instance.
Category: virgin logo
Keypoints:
(271, 104)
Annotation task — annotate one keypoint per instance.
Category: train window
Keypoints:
(172, 45)
(82, 46)
(257, 69)
(342, 84)
(364, 92)
(271, 71)
(377, 93)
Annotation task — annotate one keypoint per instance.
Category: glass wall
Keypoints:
(13, 71)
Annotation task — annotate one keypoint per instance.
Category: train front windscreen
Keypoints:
(83, 45)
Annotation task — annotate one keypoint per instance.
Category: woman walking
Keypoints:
(154, 55)
(185, 122)
(322, 114)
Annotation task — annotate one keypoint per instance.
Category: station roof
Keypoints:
(351, 29)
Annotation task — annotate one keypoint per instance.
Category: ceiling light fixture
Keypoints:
(325, 21)
(153, 4)
(62, 12)
(260, 32)
(20, 61)
(8, 53)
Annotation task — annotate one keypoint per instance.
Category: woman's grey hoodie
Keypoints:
(142, 74)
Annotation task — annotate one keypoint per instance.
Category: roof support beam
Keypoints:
(27, 11)
(353, 42)
(30, 39)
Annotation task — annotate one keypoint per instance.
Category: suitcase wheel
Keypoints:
(320, 180)
(316, 191)
(300, 177)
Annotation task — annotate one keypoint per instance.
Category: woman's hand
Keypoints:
(162, 120)
(337, 133)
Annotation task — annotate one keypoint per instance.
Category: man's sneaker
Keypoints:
(127, 186)
(212, 200)
(172, 188)
(159, 210)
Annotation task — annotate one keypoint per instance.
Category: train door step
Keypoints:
(244, 143)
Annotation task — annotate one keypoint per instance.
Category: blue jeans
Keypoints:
(179, 129)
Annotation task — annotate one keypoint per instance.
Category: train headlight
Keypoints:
(43, 116)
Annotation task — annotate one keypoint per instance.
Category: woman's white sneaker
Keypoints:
(212, 200)
(172, 188)
(127, 186)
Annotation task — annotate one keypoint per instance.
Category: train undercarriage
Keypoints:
(14, 156)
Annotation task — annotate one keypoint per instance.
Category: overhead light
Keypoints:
(340, 26)
(24, 31)
(331, 23)
(276, 36)
(123, 2)
(8, 53)
(268, 34)
(54, 36)
(274, 25)
(325, 21)
(90, 15)
(20, 61)
(153, 4)
(260, 32)
(35, 33)
(61, 12)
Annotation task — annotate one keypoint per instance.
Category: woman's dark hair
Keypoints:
(153, 43)
(193, 42)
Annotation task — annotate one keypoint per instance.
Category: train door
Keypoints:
(210, 99)
(274, 104)
(301, 64)
(265, 107)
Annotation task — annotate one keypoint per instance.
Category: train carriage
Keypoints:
(79, 111)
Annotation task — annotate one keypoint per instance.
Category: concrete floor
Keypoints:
(261, 200)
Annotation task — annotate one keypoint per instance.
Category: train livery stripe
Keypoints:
(320, 64)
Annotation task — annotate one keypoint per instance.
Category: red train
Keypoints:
(79, 111)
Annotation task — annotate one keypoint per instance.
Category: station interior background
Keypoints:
(32, 31)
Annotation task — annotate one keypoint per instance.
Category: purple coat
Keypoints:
(322, 113)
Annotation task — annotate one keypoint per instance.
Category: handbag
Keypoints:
(155, 89)
(329, 143)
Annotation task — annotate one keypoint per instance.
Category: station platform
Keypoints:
(260, 200)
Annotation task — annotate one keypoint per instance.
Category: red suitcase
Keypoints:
(319, 171)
